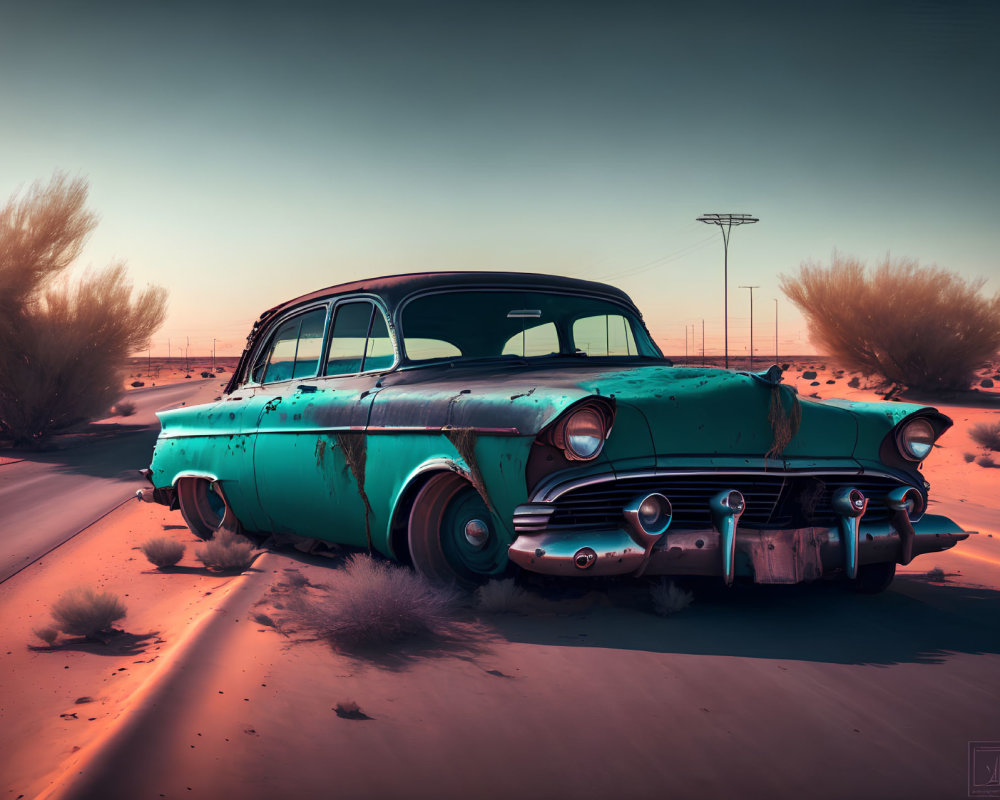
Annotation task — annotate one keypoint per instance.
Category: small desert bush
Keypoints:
(48, 634)
(226, 552)
(986, 435)
(986, 461)
(372, 603)
(86, 612)
(922, 327)
(969, 457)
(162, 552)
(123, 408)
(502, 597)
(668, 598)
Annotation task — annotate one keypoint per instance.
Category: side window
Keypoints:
(310, 346)
(604, 335)
(537, 341)
(359, 340)
(379, 353)
(348, 337)
(294, 349)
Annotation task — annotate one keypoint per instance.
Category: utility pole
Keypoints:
(213, 354)
(725, 223)
(703, 342)
(187, 364)
(751, 288)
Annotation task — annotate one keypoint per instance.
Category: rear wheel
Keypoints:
(452, 536)
(204, 508)
(874, 578)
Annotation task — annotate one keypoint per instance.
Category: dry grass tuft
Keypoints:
(986, 435)
(502, 597)
(668, 598)
(86, 612)
(936, 574)
(226, 552)
(372, 603)
(922, 327)
(48, 634)
(162, 552)
(123, 408)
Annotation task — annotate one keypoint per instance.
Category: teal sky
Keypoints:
(243, 154)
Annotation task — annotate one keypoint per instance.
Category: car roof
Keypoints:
(394, 288)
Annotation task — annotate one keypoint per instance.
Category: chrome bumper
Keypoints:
(770, 556)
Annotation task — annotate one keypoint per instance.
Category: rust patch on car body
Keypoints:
(465, 440)
(355, 448)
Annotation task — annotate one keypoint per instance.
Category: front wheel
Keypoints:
(452, 535)
(204, 508)
(874, 578)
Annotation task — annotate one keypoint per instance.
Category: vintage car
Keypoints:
(470, 423)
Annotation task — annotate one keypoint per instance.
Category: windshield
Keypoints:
(495, 324)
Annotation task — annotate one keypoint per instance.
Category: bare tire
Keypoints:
(452, 536)
(204, 508)
(874, 578)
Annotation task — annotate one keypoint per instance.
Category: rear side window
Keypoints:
(295, 349)
(604, 335)
(359, 340)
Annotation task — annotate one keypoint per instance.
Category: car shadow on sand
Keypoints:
(916, 621)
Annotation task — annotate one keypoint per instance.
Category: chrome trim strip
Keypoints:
(551, 489)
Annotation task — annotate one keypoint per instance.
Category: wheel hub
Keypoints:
(477, 533)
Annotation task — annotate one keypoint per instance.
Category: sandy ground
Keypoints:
(754, 692)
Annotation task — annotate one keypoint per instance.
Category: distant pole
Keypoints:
(213, 354)
(751, 288)
(149, 361)
(187, 364)
(685, 343)
(725, 223)
(775, 330)
(703, 342)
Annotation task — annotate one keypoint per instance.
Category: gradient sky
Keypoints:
(243, 154)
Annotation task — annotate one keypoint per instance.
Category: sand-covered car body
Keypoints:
(470, 421)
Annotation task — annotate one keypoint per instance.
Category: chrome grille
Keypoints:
(773, 500)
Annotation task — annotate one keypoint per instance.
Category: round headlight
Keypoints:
(916, 438)
(584, 433)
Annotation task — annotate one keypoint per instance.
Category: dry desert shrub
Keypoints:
(668, 598)
(986, 435)
(372, 603)
(63, 347)
(226, 552)
(986, 461)
(162, 552)
(48, 634)
(86, 612)
(502, 597)
(123, 408)
(921, 327)
(969, 457)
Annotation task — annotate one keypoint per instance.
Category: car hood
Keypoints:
(682, 411)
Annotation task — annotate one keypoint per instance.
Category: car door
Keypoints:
(309, 453)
